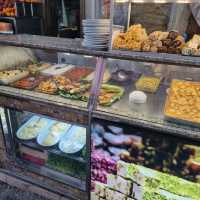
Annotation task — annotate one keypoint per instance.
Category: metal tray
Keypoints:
(57, 69)
(73, 141)
(7, 81)
(181, 121)
(31, 120)
(43, 135)
(177, 120)
(34, 84)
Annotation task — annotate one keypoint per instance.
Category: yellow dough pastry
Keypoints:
(183, 101)
(158, 35)
(148, 83)
(132, 39)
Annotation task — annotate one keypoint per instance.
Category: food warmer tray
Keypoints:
(44, 134)
(32, 119)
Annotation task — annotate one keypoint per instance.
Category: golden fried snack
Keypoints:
(137, 33)
(48, 87)
(146, 45)
(119, 41)
(154, 49)
(51, 86)
(153, 43)
(158, 35)
(183, 101)
(61, 81)
(148, 83)
(132, 39)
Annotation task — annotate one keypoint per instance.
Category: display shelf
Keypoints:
(55, 175)
(74, 46)
(53, 150)
(50, 105)
(161, 126)
(149, 115)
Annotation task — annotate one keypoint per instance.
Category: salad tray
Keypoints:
(110, 94)
(75, 91)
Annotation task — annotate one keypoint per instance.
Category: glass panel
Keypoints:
(51, 146)
(57, 77)
(122, 80)
(134, 163)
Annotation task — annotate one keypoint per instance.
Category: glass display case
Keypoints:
(39, 143)
(46, 113)
(140, 111)
(143, 91)
(138, 102)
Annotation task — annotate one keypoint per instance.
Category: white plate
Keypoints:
(96, 35)
(95, 42)
(96, 28)
(96, 22)
(96, 32)
(96, 39)
(94, 46)
(57, 69)
(103, 35)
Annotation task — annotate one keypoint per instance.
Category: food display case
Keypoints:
(153, 93)
(47, 134)
(140, 110)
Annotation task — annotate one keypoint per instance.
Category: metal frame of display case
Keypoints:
(51, 106)
(57, 108)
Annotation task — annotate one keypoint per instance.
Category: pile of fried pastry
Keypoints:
(137, 39)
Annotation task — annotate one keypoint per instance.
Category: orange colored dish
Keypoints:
(183, 101)
(78, 73)
(29, 83)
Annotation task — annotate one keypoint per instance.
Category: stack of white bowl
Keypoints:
(96, 33)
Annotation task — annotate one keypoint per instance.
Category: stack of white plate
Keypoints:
(96, 33)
